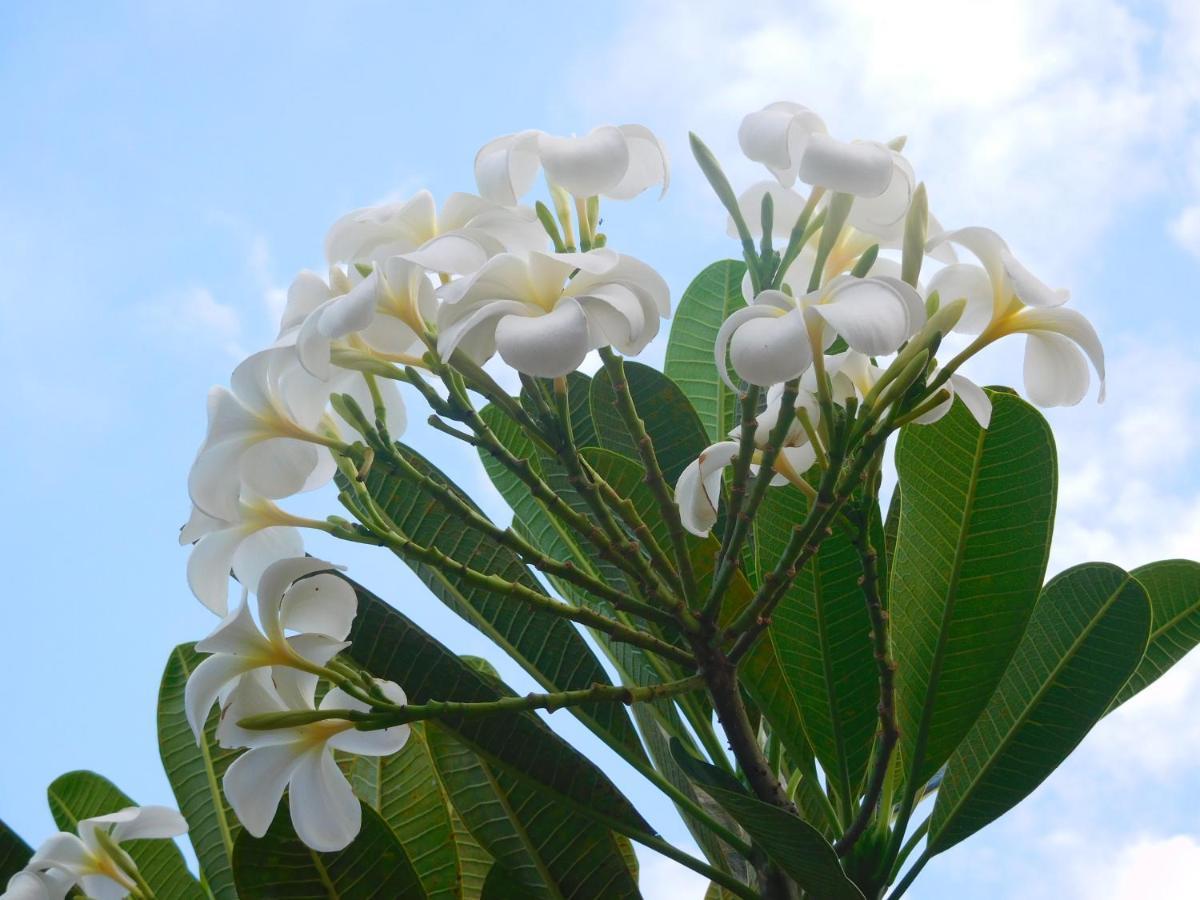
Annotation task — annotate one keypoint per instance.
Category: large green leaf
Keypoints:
(404, 789)
(542, 845)
(474, 862)
(547, 646)
(671, 421)
(83, 795)
(822, 638)
(1173, 586)
(391, 646)
(790, 842)
(14, 853)
(706, 304)
(1085, 637)
(195, 772)
(976, 512)
(278, 866)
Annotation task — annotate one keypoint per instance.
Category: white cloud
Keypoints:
(194, 314)
(1158, 868)
(660, 878)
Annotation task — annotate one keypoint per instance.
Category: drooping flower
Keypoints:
(793, 143)
(456, 241)
(86, 861)
(324, 810)
(262, 435)
(772, 339)
(382, 315)
(1004, 297)
(318, 608)
(974, 398)
(698, 489)
(613, 161)
(542, 320)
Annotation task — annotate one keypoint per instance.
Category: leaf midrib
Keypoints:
(1047, 684)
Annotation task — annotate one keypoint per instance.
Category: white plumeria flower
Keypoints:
(262, 435)
(542, 320)
(32, 884)
(261, 535)
(698, 490)
(1003, 297)
(617, 161)
(792, 142)
(324, 810)
(383, 315)
(457, 241)
(89, 863)
(974, 398)
(769, 341)
(320, 608)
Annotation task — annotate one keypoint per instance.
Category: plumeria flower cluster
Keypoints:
(836, 305)
(410, 287)
(92, 859)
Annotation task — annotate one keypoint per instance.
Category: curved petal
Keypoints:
(634, 274)
(214, 485)
(1070, 324)
(254, 784)
(987, 246)
(275, 582)
(101, 887)
(205, 684)
(618, 318)
(913, 302)
(307, 291)
(586, 166)
(730, 326)
(1056, 373)
(235, 634)
(402, 226)
(648, 164)
(938, 412)
(969, 282)
(883, 216)
(209, 564)
(456, 253)
(254, 694)
(798, 459)
(63, 851)
(869, 313)
(974, 398)
(478, 322)
(368, 743)
(766, 351)
(277, 467)
(858, 167)
(320, 604)
(547, 346)
(150, 822)
(1029, 289)
(259, 550)
(697, 492)
(199, 524)
(777, 136)
(326, 814)
(506, 167)
(31, 885)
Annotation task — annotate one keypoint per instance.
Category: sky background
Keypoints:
(166, 169)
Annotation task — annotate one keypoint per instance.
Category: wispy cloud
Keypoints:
(193, 317)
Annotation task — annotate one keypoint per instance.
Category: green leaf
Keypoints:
(279, 866)
(14, 853)
(822, 638)
(83, 795)
(1173, 586)
(671, 421)
(474, 862)
(390, 646)
(195, 772)
(706, 304)
(543, 846)
(501, 885)
(791, 843)
(404, 789)
(1084, 639)
(545, 645)
(976, 511)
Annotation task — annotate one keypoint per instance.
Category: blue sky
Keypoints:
(167, 168)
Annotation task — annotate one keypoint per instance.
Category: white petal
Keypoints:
(547, 346)
(316, 648)
(150, 822)
(883, 216)
(254, 694)
(765, 351)
(205, 684)
(787, 204)
(454, 253)
(209, 564)
(648, 164)
(586, 166)
(307, 291)
(368, 743)
(799, 459)
(1068, 323)
(974, 398)
(913, 303)
(275, 581)
(970, 282)
(475, 330)
(30, 885)
(938, 412)
(869, 313)
(506, 167)
(254, 784)
(1029, 289)
(277, 467)
(860, 168)
(777, 135)
(987, 246)
(214, 483)
(199, 524)
(1056, 373)
(101, 887)
(61, 850)
(326, 814)
(237, 633)
(618, 318)
(697, 492)
(264, 547)
(320, 604)
(360, 234)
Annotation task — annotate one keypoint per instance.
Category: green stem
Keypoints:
(910, 876)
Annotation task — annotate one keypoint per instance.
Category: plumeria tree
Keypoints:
(832, 683)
